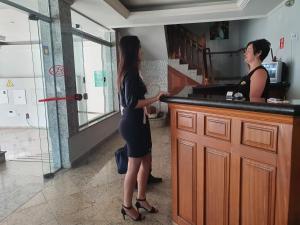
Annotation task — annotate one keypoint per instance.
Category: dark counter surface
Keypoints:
(221, 89)
(289, 107)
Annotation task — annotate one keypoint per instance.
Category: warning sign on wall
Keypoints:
(9, 83)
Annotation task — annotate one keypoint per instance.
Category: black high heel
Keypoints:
(123, 211)
(138, 205)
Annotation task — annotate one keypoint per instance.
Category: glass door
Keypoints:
(108, 79)
(80, 79)
(44, 88)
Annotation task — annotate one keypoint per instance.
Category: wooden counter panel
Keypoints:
(186, 152)
(260, 135)
(234, 167)
(257, 193)
(217, 127)
(266, 117)
(186, 121)
(216, 187)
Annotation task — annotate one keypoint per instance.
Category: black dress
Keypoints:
(134, 125)
(245, 84)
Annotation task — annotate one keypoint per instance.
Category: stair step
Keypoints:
(176, 61)
(184, 68)
(182, 61)
(192, 67)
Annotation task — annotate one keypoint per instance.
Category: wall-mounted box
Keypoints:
(3, 97)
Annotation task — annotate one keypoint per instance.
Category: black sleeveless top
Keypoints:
(245, 83)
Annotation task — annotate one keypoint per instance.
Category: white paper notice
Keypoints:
(19, 97)
(3, 97)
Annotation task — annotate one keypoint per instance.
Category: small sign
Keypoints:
(45, 50)
(9, 83)
(100, 78)
(281, 43)
(58, 71)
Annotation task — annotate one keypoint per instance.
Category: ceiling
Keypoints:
(142, 5)
(137, 13)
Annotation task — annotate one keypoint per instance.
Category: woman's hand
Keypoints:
(161, 93)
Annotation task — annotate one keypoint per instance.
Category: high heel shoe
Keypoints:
(123, 211)
(138, 205)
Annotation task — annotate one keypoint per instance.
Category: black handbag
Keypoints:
(121, 159)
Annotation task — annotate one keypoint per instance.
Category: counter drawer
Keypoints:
(186, 121)
(260, 135)
(217, 127)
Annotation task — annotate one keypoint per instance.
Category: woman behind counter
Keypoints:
(256, 83)
(134, 126)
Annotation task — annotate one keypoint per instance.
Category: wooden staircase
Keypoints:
(189, 51)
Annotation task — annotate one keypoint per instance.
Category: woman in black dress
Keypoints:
(134, 126)
(256, 83)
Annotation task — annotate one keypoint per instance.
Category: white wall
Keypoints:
(17, 66)
(20, 64)
(153, 41)
(281, 22)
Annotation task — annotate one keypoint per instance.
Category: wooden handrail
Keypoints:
(227, 52)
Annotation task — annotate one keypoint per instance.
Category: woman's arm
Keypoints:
(258, 82)
(148, 101)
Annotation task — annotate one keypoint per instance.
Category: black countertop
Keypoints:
(221, 89)
(289, 107)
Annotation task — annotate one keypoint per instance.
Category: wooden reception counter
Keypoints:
(234, 162)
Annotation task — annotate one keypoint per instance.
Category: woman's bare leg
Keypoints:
(129, 184)
(143, 176)
(142, 180)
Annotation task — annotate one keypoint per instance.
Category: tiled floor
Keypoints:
(91, 194)
(21, 178)
(19, 182)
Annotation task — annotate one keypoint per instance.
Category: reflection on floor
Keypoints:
(91, 194)
(24, 144)
(19, 182)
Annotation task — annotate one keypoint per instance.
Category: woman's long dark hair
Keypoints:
(129, 57)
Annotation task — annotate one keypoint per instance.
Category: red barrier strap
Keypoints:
(58, 99)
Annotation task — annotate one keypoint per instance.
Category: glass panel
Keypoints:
(25, 59)
(88, 26)
(40, 37)
(109, 82)
(49, 90)
(40, 6)
(93, 63)
(80, 79)
(95, 76)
